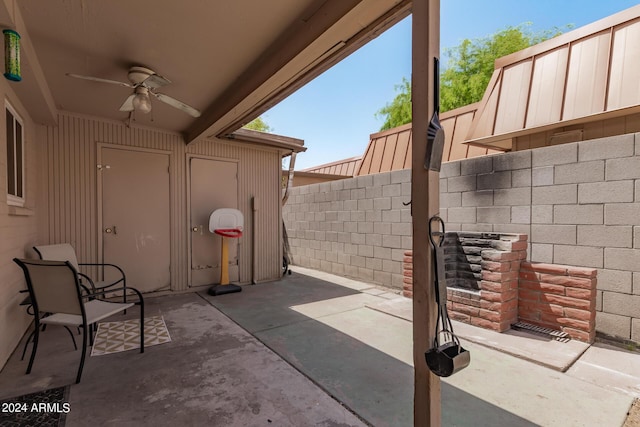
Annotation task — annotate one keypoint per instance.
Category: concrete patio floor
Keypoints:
(307, 351)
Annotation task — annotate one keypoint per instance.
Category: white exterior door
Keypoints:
(135, 216)
(213, 185)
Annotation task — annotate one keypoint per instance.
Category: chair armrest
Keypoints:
(128, 288)
(103, 265)
(88, 279)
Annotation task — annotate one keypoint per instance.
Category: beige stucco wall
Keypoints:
(18, 229)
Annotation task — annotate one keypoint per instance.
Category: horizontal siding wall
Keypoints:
(71, 200)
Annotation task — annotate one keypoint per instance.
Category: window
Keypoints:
(15, 158)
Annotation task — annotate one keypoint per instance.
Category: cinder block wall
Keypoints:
(580, 205)
(355, 227)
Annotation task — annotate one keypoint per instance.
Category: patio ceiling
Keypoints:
(231, 60)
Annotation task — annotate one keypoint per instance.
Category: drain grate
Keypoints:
(553, 334)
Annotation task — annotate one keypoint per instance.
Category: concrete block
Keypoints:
(382, 228)
(521, 178)
(494, 180)
(473, 198)
(350, 249)
(461, 183)
(373, 263)
(555, 194)
(636, 198)
(493, 214)
(622, 259)
(337, 268)
(613, 236)
(512, 196)
(365, 274)
(365, 204)
(358, 239)
(350, 205)
(380, 179)
(542, 176)
(365, 227)
(558, 234)
(358, 193)
(580, 256)
(349, 183)
(636, 238)
(373, 216)
(373, 239)
(407, 242)
(358, 261)
(337, 185)
(364, 181)
(461, 215)
(392, 190)
(365, 251)
(397, 254)
(622, 214)
(512, 161)
(351, 270)
(624, 168)
(405, 215)
(606, 192)
(541, 252)
(351, 226)
(480, 227)
(615, 281)
(400, 176)
(332, 256)
(406, 188)
(451, 200)
(382, 277)
(599, 300)
(391, 241)
(636, 283)
(579, 172)
(613, 324)
(343, 216)
(556, 155)
(578, 214)
(401, 229)
(635, 330)
(398, 203)
(381, 253)
(443, 185)
(450, 169)
(621, 304)
(391, 216)
(337, 205)
(373, 192)
(606, 148)
(476, 165)
(542, 214)
(521, 214)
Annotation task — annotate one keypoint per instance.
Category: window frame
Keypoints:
(18, 161)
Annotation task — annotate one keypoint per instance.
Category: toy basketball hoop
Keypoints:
(228, 224)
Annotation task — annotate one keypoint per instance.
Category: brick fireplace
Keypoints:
(491, 285)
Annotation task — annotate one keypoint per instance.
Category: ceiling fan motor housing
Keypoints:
(137, 75)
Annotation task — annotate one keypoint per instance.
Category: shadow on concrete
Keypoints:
(374, 385)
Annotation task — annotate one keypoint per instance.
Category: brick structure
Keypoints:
(559, 297)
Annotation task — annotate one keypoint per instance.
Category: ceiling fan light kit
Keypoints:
(144, 83)
(141, 101)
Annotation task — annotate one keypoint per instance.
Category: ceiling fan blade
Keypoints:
(98, 79)
(155, 81)
(127, 105)
(177, 104)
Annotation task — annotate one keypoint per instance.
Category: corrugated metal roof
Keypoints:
(591, 73)
(345, 167)
(391, 149)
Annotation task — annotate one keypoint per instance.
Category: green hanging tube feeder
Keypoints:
(12, 55)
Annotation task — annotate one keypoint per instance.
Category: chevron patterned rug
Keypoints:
(114, 337)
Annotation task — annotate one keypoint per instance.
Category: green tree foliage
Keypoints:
(469, 69)
(258, 124)
(398, 112)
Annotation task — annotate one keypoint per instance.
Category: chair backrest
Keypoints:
(59, 252)
(53, 286)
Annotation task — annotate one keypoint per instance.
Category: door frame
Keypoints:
(188, 218)
(100, 238)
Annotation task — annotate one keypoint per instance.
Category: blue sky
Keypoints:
(335, 113)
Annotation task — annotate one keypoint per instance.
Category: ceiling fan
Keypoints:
(144, 83)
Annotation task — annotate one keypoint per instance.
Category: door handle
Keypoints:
(110, 230)
(197, 228)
